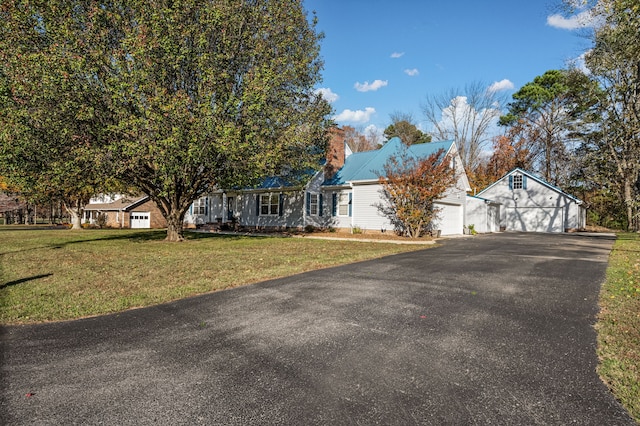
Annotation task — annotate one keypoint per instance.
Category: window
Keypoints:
(517, 182)
(313, 204)
(269, 204)
(344, 200)
(200, 206)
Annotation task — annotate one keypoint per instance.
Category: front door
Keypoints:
(230, 201)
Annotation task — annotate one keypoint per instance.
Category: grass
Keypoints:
(51, 275)
(619, 324)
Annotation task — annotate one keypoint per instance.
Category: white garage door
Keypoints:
(140, 220)
(535, 219)
(450, 221)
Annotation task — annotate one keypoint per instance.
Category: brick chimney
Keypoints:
(335, 152)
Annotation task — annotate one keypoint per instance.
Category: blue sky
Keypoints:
(387, 56)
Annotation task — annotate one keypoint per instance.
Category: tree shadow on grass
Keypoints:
(142, 236)
(135, 237)
(23, 280)
(192, 235)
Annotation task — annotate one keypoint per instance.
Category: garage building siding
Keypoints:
(534, 206)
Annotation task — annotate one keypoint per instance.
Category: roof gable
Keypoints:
(125, 203)
(367, 165)
(531, 176)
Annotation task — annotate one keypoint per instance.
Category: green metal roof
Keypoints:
(369, 165)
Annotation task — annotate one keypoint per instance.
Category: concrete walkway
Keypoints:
(495, 329)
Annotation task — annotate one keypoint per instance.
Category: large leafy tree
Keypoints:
(552, 106)
(193, 94)
(410, 187)
(50, 123)
(403, 126)
(614, 63)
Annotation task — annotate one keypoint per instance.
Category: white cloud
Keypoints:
(366, 87)
(328, 94)
(579, 63)
(396, 55)
(412, 72)
(583, 19)
(358, 116)
(372, 128)
(501, 85)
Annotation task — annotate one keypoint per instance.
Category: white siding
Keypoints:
(337, 221)
(365, 214)
(534, 219)
(292, 212)
(323, 217)
(215, 207)
(483, 216)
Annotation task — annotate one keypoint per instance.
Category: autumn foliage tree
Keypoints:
(357, 141)
(516, 148)
(410, 187)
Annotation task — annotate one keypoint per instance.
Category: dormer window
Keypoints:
(517, 181)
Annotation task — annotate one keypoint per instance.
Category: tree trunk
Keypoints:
(628, 202)
(76, 215)
(175, 231)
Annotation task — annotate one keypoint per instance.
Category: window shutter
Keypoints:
(206, 206)
(308, 203)
(524, 182)
(191, 209)
(320, 204)
(334, 204)
(280, 204)
(257, 204)
(511, 182)
(350, 209)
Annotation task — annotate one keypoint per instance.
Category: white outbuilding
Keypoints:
(530, 204)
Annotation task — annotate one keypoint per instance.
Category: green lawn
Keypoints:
(619, 323)
(49, 275)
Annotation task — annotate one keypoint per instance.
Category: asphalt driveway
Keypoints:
(495, 329)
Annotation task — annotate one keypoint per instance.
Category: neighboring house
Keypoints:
(529, 204)
(124, 211)
(343, 195)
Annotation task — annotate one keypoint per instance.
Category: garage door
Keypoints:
(535, 219)
(140, 220)
(450, 221)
